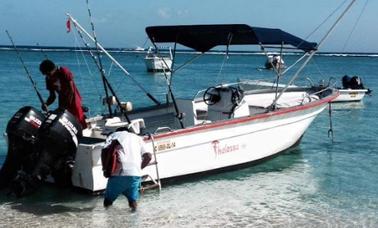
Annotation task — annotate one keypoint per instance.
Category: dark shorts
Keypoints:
(126, 185)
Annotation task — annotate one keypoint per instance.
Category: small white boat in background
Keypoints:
(139, 49)
(157, 62)
(353, 90)
(274, 61)
(350, 95)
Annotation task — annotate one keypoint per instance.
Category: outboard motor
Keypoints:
(22, 131)
(354, 82)
(345, 81)
(58, 139)
(59, 135)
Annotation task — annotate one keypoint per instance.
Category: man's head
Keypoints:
(47, 67)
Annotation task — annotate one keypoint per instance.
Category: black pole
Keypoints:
(26, 69)
(105, 80)
(178, 114)
(100, 62)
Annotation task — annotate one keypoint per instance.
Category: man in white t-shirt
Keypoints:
(132, 157)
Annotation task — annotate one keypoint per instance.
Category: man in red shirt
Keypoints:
(60, 80)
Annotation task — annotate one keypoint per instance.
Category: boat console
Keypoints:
(225, 102)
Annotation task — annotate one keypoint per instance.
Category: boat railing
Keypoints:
(162, 129)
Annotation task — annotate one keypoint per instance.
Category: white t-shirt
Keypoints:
(131, 156)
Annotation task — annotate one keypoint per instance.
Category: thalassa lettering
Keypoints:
(223, 149)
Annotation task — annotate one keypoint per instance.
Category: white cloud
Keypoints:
(164, 13)
(182, 13)
(167, 13)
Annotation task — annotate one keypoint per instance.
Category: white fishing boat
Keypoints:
(222, 127)
(158, 62)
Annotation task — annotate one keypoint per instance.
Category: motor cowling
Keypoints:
(53, 152)
(354, 82)
(58, 136)
(25, 123)
(61, 130)
(23, 147)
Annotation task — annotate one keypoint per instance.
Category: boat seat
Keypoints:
(226, 107)
(194, 112)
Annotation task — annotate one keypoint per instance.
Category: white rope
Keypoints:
(86, 63)
(355, 25)
(91, 75)
(313, 52)
(221, 68)
(326, 19)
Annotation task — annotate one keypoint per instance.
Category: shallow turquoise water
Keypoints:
(317, 184)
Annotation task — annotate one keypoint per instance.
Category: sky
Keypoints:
(121, 23)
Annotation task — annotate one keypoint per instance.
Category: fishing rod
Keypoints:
(101, 67)
(104, 78)
(79, 27)
(26, 69)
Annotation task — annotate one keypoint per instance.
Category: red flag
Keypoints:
(68, 25)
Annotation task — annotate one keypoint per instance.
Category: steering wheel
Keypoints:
(211, 96)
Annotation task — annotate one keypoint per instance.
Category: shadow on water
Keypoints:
(50, 200)
(347, 106)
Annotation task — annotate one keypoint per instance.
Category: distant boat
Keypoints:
(156, 62)
(139, 49)
(274, 61)
(353, 90)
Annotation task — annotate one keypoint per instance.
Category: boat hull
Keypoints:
(156, 64)
(351, 95)
(209, 147)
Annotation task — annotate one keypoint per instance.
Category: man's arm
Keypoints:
(146, 158)
(49, 100)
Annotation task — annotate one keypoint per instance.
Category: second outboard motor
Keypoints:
(59, 136)
(58, 140)
(22, 132)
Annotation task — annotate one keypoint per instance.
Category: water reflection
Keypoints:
(348, 105)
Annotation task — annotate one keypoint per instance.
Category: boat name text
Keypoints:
(220, 149)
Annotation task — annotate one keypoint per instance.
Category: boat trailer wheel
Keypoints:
(211, 95)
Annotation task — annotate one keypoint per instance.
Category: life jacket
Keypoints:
(110, 159)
